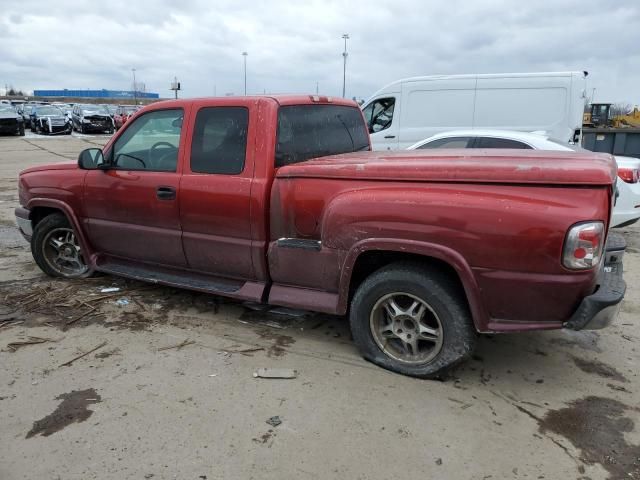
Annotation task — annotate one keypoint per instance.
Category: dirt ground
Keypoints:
(153, 382)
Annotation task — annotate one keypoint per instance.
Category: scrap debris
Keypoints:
(70, 301)
(275, 373)
(66, 364)
(13, 346)
(184, 343)
(110, 290)
(274, 421)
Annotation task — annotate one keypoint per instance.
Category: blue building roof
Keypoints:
(94, 93)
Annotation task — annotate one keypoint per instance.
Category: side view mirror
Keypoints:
(90, 159)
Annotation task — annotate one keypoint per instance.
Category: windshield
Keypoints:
(94, 109)
(111, 108)
(48, 111)
(130, 110)
(7, 108)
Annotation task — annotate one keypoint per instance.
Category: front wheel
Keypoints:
(56, 249)
(412, 320)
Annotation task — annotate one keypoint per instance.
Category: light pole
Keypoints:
(344, 66)
(135, 95)
(244, 54)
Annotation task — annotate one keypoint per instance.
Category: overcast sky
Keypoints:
(292, 45)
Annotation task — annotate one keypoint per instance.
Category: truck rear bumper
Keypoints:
(601, 308)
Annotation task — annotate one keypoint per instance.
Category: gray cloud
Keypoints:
(293, 45)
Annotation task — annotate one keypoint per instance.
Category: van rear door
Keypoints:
(431, 106)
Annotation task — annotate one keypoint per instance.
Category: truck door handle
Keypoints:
(389, 136)
(166, 193)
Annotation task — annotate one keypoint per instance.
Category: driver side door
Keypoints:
(131, 209)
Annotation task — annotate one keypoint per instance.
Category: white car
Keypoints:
(627, 208)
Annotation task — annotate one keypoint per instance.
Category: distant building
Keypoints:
(94, 94)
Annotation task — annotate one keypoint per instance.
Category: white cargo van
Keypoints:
(412, 109)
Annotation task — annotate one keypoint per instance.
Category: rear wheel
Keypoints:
(56, 249)
(412, 320)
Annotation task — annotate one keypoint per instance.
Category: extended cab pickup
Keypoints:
(423, 249)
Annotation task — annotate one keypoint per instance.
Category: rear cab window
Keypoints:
(310, 131)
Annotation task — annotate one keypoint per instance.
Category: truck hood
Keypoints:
(51, 166)
(463, 166)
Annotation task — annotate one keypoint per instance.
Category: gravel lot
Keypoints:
(553, 405)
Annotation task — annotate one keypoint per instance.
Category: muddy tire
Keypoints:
(412, 320)
(56, 250)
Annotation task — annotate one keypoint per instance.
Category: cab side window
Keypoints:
(379, 114)
(151, 142)
(451, 142)
(220, 140)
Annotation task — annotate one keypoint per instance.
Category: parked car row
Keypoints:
(63, 118)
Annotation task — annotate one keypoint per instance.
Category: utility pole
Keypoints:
(244, 54)
(175, 86)
(344, 66)
(317, 88)
(135, 94)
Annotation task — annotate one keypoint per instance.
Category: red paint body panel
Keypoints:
(498, 218)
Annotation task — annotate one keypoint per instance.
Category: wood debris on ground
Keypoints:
(184, 343)
(66, 364)
(13, 346)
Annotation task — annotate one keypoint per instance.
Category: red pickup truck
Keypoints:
(280, 200)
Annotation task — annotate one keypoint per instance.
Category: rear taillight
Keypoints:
(583, 246)
(629, 175)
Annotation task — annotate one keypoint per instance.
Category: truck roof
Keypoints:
(280, 99)
(464, 166)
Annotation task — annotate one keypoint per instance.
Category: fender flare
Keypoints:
(425, 249)
(75, 223)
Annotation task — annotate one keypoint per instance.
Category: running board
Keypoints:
(174, 277)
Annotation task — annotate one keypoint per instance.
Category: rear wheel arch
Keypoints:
(364, 260)
(412, 319)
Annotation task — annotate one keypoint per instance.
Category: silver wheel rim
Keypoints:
(62, 253)
(406, 328)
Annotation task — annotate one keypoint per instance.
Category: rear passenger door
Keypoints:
(215, 203)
